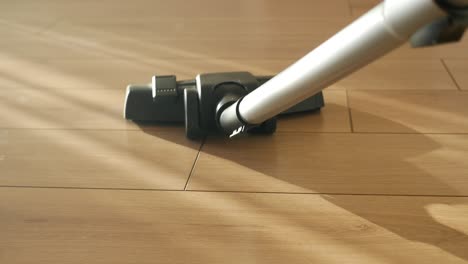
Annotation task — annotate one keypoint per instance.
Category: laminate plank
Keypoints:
(400, 75)
(118, 41)
(409, 111)
(386, 164)
(146, 18)
(459, 71)
(81, 75)
(130, 25)
(69, 46)
(41, 107)
(27, 46)
(116, 74)
(25, 40)
(96, 159)
(182, 39)
(60, 75)
(177, 36)
(189, 29)
(141, 9)
(99, 226)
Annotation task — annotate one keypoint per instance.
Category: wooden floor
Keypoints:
(379, 176)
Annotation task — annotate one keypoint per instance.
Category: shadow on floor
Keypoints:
(349, 171)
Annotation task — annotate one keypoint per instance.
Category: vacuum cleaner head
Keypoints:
(199, 102)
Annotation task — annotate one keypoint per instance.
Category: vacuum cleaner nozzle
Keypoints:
(199, 103)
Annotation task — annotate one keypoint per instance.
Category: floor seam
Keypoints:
(349, 112)
(277, 132)
(450, 74)
(194, 164)
(350, 9)
(230, 191)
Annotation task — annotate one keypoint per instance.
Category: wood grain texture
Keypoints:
(93, 30)
(42, 107)
(61, 74)
(96, 159)
(101, 44)
(116, 74)
(391, 74)
(190, 29)
(143, 9)
(68, 159)
(97, 226)
(409, 111)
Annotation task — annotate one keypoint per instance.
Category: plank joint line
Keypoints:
(450, 74)
(351, 126)
(194, 163)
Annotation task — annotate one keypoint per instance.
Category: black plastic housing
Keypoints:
(199, 102)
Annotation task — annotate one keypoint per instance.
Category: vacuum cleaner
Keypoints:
(238, 102)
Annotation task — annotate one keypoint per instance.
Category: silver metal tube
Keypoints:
(376, 33)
